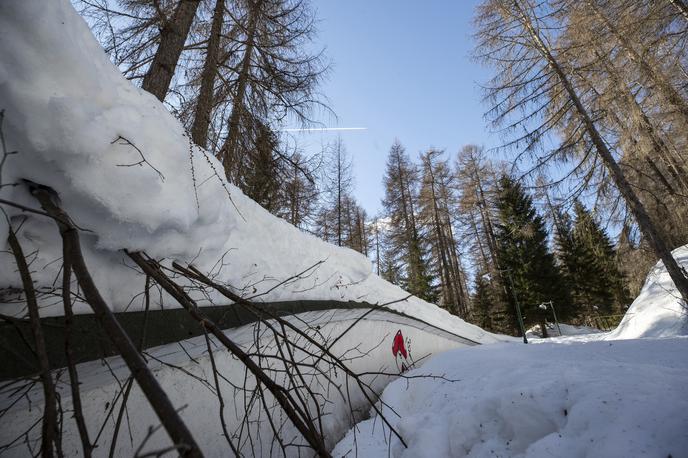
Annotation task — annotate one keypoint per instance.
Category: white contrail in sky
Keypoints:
(323, 129)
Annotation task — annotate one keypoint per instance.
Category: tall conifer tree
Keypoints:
(524, 255)
(400, 204)
(604, 281)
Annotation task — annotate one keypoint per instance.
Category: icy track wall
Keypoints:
(125, 170)
(185, 372)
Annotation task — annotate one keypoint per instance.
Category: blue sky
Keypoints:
(403, 70)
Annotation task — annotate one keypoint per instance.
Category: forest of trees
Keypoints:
(588, 191)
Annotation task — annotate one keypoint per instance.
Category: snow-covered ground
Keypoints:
(656, 312)
(126, 171)
(594, 399)
(566, 330)
(601, 394)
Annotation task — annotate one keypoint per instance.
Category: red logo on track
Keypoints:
(398, 345)
(401, 349)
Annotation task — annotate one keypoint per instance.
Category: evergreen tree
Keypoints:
(602, 283)
(569, 257)
(262, 180)
(524, 256)
(435, 199)
(482, 303)
(401, 200)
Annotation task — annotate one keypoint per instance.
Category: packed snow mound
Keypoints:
(658, 310)
(602, 399)
(126, 171)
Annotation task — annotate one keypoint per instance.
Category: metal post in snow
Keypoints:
(543, 306)
(518, 307)
(551, 304)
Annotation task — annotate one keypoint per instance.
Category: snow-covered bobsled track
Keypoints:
(375, 343)
(110, 209)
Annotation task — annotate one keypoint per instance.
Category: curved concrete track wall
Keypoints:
(164, 326)
(367, 338)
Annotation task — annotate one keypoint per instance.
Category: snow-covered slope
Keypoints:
(657, 311)
(126, 171)
(595, 399)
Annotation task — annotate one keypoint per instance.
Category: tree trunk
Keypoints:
(646, 226)
(670, 93)
(339, 195)
(377, 247)
(485, 216)
(402, 190)
(50, 431)
(445, 275)
(454, 262)
(172, 38)
(474, 226)
(681, 7)
(228, 153)
(410, 229)
(204, 104)
(660, 176)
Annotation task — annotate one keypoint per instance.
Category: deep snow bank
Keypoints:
(125, 170)
(657, 311)
(602, 399)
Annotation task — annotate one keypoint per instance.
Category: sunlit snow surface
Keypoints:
(657, 311)
(592, 395)
(594, 399)
(184, 377)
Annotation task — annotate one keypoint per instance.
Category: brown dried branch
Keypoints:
(219, 395)
(50, 427)
(127, 142)
(71, 365)
(291, 408)
(264, 313)
(157, 397)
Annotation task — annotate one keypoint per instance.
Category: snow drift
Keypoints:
(658, 310)
(602, 399)
(126, 171)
